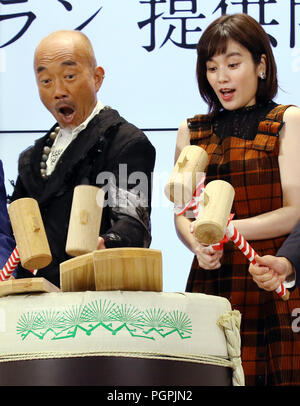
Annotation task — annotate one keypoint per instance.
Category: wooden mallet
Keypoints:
(211, 205)
(85, 220)
(213, 224)
(187, 177)
(126, 268)
(32, 248)
(77, 274)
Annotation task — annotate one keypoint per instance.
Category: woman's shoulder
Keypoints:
(198, 121)
(291, 121)
(292, 112)
(183, 136)
(281, 112)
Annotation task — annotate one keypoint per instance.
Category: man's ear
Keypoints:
(98, 76)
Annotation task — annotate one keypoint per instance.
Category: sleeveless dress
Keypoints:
(243, 147)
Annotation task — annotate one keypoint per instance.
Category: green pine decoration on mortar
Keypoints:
(150, 324)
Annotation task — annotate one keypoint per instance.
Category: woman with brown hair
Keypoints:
(252, 143)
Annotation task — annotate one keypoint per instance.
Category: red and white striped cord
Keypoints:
(233, 234)
(194, 204)
(11, 264)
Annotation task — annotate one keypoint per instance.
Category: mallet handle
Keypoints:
(243, 245)
(11, 264)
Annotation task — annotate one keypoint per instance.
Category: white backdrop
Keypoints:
(147, 50)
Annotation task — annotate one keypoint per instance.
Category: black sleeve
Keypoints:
(130, 195)
(19, 191)
(291, 250)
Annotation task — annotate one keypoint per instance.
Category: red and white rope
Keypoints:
(195, 203)
(11, 264)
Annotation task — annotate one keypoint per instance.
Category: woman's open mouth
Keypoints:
(227, 94)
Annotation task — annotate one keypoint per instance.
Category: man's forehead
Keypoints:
(63, 50)
(60, 56)
(68, 62)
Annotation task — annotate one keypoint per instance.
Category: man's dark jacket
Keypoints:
(107, 142)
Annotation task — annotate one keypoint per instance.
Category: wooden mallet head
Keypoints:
(189, 168)
(85, 220)
(210, 225)
(29, 233)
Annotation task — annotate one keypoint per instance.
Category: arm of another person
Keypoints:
(280, 222)
(131, 196)
(285, 266)
(208, 258)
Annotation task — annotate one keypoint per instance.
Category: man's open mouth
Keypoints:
(66, 111)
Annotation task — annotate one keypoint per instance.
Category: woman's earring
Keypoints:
(262, 75)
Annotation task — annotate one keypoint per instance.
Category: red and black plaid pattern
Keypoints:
(270, 347)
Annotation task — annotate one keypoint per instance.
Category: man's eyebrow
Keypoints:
(40, 69)
(69, 62)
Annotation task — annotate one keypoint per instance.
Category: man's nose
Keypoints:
(60, 91)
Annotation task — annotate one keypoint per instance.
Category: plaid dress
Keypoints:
(269, 330)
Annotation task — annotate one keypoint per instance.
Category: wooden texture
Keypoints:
(29, 233)
(26, 285)
(77, 274)
(129, 269)
(210, 226)
(189, 168)
(85, 219)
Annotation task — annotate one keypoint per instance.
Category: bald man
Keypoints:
(89, 144)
